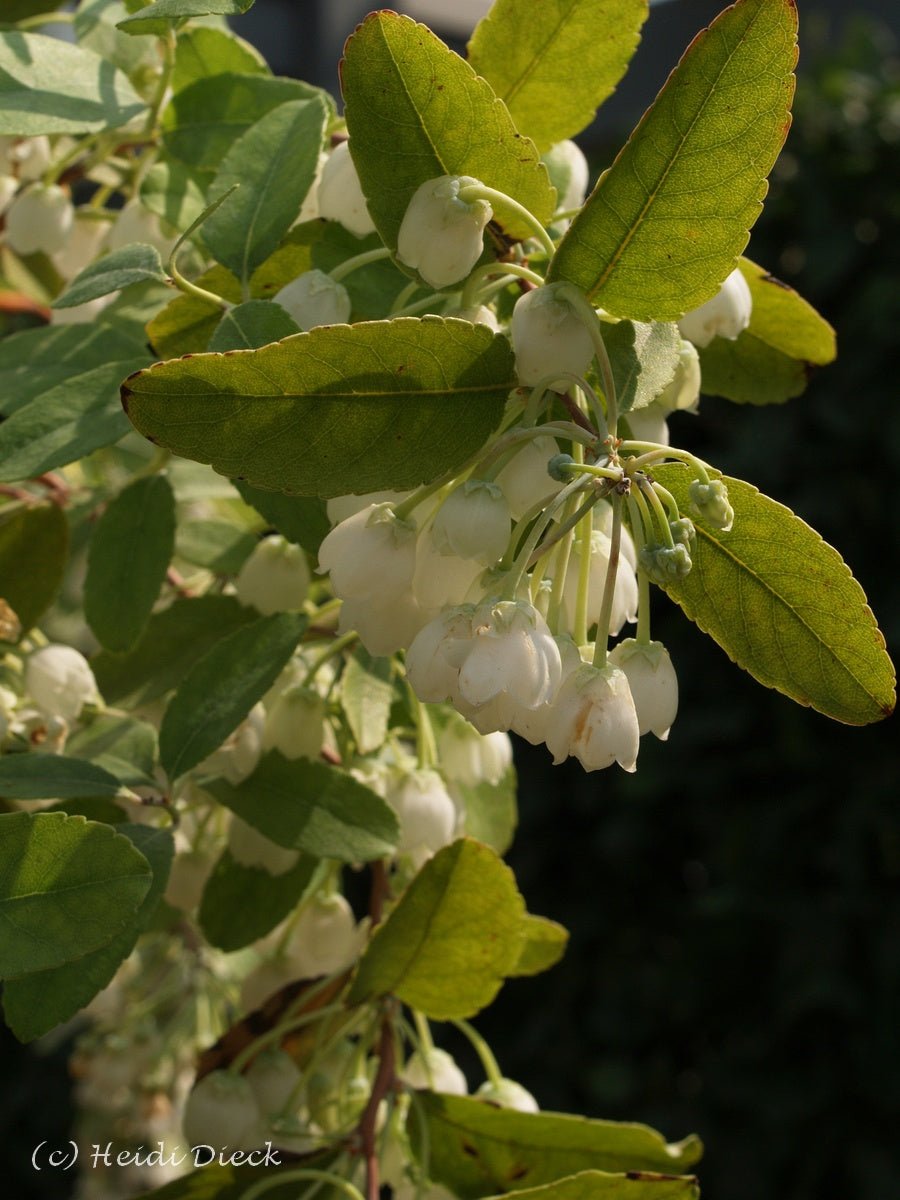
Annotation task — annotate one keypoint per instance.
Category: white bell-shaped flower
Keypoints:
(275, 576)
(569, 173)
(442, 236)
(295, 723)
(533, 724)
(385, 624)
(325, 937)
(441, 578)
(653, 683)
(512, 653)
(469, 757)
(473, 522)
(31, 157)
(435, 1070)
(603, 521)
(83, 245)
(549, 336)
(726, 314)
(251, 848)
(187, 879)
(221, 1111)
(9, 185)
(340, 194)
(371, 554)
(625, 595)
(649, 424)
(432, 662)
(339, 508)
(426, 814)
(137, 224)
(314, 299)
(39, 219)
(594, 720)
(239, 754)
(524, 478)
(506, 1093)
(59, 681)
(273, 1077)
(684, 391)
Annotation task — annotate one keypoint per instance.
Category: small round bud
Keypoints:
(711, 503)
(59, 681)
(314, 299)
(665, 564)
(726, 314)
(558, 467)
(325, 937)
(39, 219)
(549, 336)
(435, 1070)
(506, 1093)
(275, 577)
(683, 532)
(340, 194)
(441, 236)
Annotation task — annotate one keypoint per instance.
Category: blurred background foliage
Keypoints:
(734, 966)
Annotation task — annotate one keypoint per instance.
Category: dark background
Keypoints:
(734, 906)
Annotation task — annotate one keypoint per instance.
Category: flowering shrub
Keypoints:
(377, 487)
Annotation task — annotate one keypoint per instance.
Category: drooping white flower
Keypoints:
(60, 681)
(238, 755)
(511, 652)
(440, 578)
(385, 624)
(533, 724)
(442, 236)
(473, 522)
(135, 223)
(648, 424)
(569, 173)
(594, 720)
(506, 1093)
(9, 185)
(222, 1111)
(653, 683)
(273, 1077)
(39, 218)
(726, 314)
(425, 811)
(274, 578)
(603, 521)
(295, 723)
(549, 336)
(432, 662)
(31, 157)
(83, 245)
(371, 554)
(625, 595)
(684, 391)
(251, 848)
(435, 1070)
(469, 757)
(339, 508)
(340, 195)
(524, 478)
(325, 937)
(314, 299)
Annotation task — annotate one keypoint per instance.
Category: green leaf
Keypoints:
(220, 689)
(274, 165)
(230, 1183)
(130, 551)
(372, 289)
(453, 938)
(478, 1149)
(310, 806)
(771, 361)
(52, 776)
(665, 224)
(34, 549)
(67, 422)
(35, 1003)
(216, 545)
(643, 359)
(636, 1185)
(784, 606)
(554, 70)
(174, 193)
(242, 904)
(67, 886)
(251, 325)
(171, 644)
(367, 693)
(131, 264)
(159, 17)
(122, 745)
(301, 519)
(51, 86)
(17, 10)
(203, 120)
(415, 111)
(95, 28)
(360, 408)
(545, 944)
(201, 52)
(491, 810)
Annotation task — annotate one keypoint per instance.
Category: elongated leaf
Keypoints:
(491, 810)
(67, 422)
(225, 1183)
(216, 545)
(274, 164)
(50, 86)
(771, 361)
(360, 408)
(366, 697)
(131, 264)
(453, 938)
(95, 28)
(310, 806)
(201, 122)
(664, 226)
(16, 10)
(555, 69)
(301, 519)
(415, 110)
(220, 689)
(242, 904)
(52, 776)
(131, 548)
(34, 548)
(158, 17)
(202, 51)
(35, 1003)
(173, 641)
(67, 886)
(643, 359)
(784, 606)
(251, 325)
(124, 746)
(477, 1149)
(545, 944)
(603, 1185)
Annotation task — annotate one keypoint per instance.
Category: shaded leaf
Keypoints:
(544, 945)
(53, 776)
(367, 693)
(491, 810)
(122, 745)
(161, 15)
(34, 548)
(202, 51)
(643, 359)
(216, 545)
(242, 904)
(173, 192)
(251, 325)
(119, 269)
(301, 519)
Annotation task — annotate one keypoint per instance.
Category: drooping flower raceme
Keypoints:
(549, 336)
(441, 236)
(314, 299)
(726, 314)
(653, 683)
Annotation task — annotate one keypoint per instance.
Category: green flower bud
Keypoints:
(665, 564)
(711, 503)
